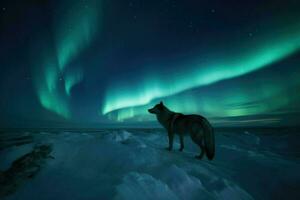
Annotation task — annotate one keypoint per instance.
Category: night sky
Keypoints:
(86, 63)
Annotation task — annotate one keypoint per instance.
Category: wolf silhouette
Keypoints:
(196, 126)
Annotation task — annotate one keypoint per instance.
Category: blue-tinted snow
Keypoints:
(132, 164)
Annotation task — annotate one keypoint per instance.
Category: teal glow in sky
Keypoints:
(260, 96)
(103, 62)
(71, 79)
(194, 74)
(55, 78)
(47, 83)
(75, 29)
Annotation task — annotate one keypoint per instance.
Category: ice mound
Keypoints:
(10, 154)
(232, 192)
(251, 139)
(143, 186)
(24, 168)
(119, 136)
(125, 137)
(185, 186)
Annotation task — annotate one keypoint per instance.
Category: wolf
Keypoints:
(197, 126)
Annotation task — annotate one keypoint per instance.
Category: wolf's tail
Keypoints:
(209, 139)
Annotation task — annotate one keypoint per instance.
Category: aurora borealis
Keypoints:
(196, 75)
(89, 61)
(74, 33)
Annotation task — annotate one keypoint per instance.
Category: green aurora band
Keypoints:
(76, 30)
(124, 102)
(48, 88)
(258, 97)
(72, 78)
(54, 76)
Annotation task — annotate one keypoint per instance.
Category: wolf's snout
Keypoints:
(150, 110)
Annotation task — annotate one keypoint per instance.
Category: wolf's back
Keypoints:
(209, 139)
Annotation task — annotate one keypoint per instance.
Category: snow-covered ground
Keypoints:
(133, 164)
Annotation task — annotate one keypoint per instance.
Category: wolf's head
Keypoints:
(157, 109)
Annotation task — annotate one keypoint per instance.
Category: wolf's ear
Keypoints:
(161, 103)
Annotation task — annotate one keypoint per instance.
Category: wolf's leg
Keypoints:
(181, 142)
(198, 140)
(171, 137)
(202, 150)
(201, 154)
